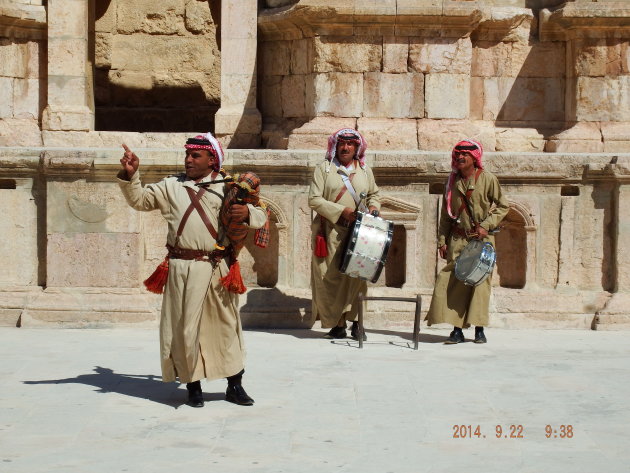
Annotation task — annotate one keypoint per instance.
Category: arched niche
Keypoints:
(515, 245)
(266, 267)
(401, 265)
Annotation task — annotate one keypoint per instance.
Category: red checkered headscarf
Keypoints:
(347, 134)
(476, 150)
(210, 143)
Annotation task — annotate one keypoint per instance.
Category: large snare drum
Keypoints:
(475, 263)
(368, 243)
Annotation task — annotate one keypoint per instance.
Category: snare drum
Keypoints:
(475, 263)
(366, 251)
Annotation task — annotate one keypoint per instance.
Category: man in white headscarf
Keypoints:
(337, 181)
(200, 326)
(454, 302)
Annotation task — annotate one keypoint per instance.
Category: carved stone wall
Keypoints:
(157, 65)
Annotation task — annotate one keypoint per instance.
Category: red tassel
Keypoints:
(233, 282)
(321, 249)
(156, 282)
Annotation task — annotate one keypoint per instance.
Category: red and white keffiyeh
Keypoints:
(209, 142)
(347, 134)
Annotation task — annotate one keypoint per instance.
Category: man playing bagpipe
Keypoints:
(200, 326)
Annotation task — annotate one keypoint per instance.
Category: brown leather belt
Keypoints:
(213, 256)
(463, 233)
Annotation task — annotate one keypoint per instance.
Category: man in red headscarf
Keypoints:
(454, 302)
(200, 326)
(335, 190)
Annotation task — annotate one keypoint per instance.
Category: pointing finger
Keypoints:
(126, 148)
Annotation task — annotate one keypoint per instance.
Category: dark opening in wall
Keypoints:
(436, 188)
(511, 245)
(570, 191)
(396, 266)
(259, 266)
(7, 184)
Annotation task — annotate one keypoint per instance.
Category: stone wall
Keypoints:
(77, 253)
(22, 72)
(157, 65)
(519, 76)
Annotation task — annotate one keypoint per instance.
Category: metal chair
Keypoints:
(416, 321)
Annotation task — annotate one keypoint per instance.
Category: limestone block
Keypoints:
(519, 59)
(447, 95)
(110, 139)
(69, 22)
(35, 54)
(79, 139)
(442, 135)
(198, 17)
(242, 54)
(241, 91)
(147, 16)
(519, 139)
(67, 57)
(508, 98)
(103, 50)
(419, 7)
(18, 228)
(389, 134)
(240, 19)
(599, 57)
(583, 137)
(20, 132)
(82, 207)
(71, 258)
(232, 120)
(302, 56)
(12, 58)
(347, 53)
(440, 55)
(616, 136)
(603, 98)
(395, 54)
(6, 97)
(393, 95)
(271, 96)
(314, 134)
(27, 98)
(129, 53)
(293, 96)
(105, 17)
(335, 94)
(275, 57)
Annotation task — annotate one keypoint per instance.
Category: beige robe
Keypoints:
(200, 326)
(334, 293)
(454, 302)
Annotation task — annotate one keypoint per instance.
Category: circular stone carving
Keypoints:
(86, 211)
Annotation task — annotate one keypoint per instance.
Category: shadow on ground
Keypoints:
(404, 336)
(149, 387)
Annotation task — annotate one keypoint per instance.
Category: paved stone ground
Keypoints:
(92, 401)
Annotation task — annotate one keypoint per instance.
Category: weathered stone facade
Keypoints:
(544, 85)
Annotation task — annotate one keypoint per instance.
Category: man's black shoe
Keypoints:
(336, 332)
(456, 336)
(195, 395)
(354, 332)
(480, 337)
(237, 395)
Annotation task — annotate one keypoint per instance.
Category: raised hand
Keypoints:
(129, 162)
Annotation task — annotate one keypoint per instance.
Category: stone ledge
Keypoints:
(585, 20)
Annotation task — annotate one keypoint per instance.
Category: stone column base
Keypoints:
(238, 129)
(616, 314)
(68, 119)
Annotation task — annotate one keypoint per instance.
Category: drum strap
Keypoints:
(465, 207)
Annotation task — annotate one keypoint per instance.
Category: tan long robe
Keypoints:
(334, 293)
(200, 327)
(454, 302)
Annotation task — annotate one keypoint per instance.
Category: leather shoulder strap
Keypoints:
(194, 199)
